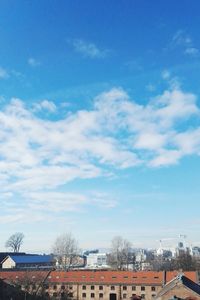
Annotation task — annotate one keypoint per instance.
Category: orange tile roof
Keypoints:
(97, 277)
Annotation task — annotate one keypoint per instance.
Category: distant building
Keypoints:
(96, 260)
(27, 261)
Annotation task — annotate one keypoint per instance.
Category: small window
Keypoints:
(153, 288)
(143, 296)
(101, 287)
(55, 287)
(92, 287)
(54, 294)
(156, 277)
(70, 287)
(134, 276)
(83, 276)
(84, 287)
(62, 287)
(113, 277)
(125, 277)
(124, 288)
(124, 296)
(101, 295)
(92, 295)
(142, 288)
(112, 287)
(133, 288)
(84, 295)
(153, 295)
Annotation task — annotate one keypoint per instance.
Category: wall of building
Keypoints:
(179, 291)
(8, 263)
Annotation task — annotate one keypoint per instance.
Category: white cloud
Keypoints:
(88, 49)
(33, 62)
(184, 42)
(3, 73)
(192, 51)
(45, 105)
(39, 156)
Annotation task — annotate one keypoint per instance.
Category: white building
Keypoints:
(97, 260)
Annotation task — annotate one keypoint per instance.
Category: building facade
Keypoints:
(87, 285)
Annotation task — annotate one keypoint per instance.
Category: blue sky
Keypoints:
(99, 121)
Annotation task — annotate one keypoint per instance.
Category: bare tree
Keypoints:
(15, 241)
(121, 255)
(66, 250)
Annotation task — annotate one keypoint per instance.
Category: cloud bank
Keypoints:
(39, 156)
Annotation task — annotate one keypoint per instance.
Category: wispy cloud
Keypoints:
(39, 156)
(33, 62)
(3, 73)
(88, 49)
(45, 105)
(185, 42)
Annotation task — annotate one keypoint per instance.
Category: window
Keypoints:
(92, 287)
(143, 296)
(55, 287)
(70, 287)
(153, 288)
(153, 295)
(54, 294)
(142, 288)
(101, 287)
(84, 287)
(101, 295)
(112, 287)
(133, 288)
(84, 295)
(92, 295)
(125, 277)
(124, 288)
(124, 296)
(114, 277)
(62, 287)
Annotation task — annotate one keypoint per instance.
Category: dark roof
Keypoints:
(34, 259)
(190, 284)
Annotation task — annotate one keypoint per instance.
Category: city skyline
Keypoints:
(99, 121)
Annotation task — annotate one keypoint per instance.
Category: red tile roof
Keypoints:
(97, 277)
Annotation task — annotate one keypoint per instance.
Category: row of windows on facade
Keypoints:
(92, 287)
(113, 287)
(124, 296)
(92, 295)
